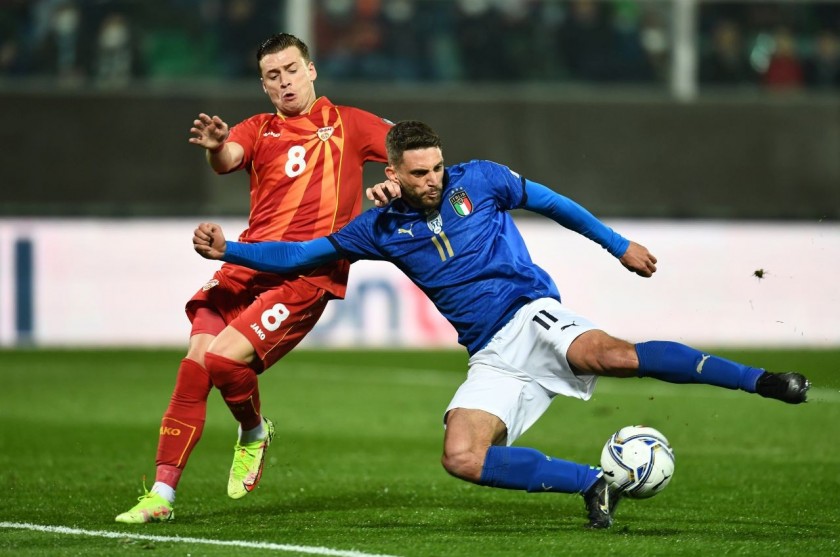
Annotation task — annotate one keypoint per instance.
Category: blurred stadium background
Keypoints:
(707, 130)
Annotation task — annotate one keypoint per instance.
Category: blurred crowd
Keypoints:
(784, 45)
(113, 42)
(110, 43)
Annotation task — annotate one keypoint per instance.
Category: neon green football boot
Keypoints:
(248, 460)
(151, 507)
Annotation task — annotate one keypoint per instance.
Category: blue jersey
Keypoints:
(468, 257)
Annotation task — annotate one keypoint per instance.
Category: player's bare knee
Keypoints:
(465, 464)
(198, 347)
(618, 358)
(469, 433)
(598, 353)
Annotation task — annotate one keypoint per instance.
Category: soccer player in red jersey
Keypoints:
(305, 165)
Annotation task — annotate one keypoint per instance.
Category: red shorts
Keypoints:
(274, 312)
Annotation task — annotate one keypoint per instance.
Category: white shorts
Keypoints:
(519, 372)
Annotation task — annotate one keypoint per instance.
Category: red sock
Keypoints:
(183, 421)
(238, 385)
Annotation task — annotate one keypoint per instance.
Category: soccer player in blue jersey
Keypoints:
(450, 232)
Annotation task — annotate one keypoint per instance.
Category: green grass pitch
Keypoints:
(355, 464)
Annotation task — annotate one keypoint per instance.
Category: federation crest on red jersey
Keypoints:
(461, 202)
(325, 133)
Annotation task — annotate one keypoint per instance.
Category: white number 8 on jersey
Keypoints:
(274, 317)
(296, 163)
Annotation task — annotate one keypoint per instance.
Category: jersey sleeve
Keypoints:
(358, 240)
(281, 257)
(245, 134)
(569, 214)
(507, 186)
(370, 131)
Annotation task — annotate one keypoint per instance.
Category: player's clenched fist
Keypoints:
(209, 240)
(382, 193)
(638, 259)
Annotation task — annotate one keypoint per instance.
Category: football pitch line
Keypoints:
(310, 550)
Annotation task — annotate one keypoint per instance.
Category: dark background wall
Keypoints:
(126, 153)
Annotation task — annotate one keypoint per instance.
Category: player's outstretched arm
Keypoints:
(273, 257)
(635, 257)
(573, 216)
(209, 241)
(638, 259)
(211, 132)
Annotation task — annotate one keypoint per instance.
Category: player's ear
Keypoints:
(262, 82)
(313, 73)
(391, 174)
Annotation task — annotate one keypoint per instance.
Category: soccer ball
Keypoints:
(638, 461)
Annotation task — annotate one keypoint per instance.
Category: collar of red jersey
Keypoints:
(317, 103)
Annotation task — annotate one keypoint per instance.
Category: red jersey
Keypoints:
(306, 175)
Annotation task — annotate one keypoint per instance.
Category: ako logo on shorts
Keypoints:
(461, 202)
(210, 284)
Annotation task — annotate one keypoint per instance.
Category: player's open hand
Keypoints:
(382, 193)
(209, 132)
(638, 259)
(209, 241)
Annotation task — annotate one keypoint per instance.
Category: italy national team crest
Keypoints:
(461, 202)
(325, 133)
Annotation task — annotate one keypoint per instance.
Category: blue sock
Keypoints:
(530, 470)
(677, 363)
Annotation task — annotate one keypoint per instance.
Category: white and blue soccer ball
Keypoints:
(638, 461)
